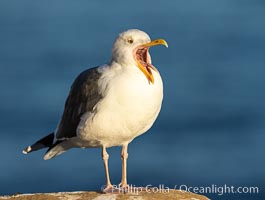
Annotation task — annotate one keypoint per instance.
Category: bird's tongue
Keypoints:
(142, 56)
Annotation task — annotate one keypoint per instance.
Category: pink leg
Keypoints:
(105, 157)
(124, 156)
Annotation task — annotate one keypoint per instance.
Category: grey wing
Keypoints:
(83, 96)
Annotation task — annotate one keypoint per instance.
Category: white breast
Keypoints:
(128, 109)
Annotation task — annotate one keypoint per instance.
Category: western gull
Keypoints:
(111, 104)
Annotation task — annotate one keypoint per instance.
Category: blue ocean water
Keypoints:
(211, 127)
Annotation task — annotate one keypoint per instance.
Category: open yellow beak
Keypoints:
(147, 72)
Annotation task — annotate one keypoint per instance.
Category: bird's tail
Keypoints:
(45, 142)
(56, 149)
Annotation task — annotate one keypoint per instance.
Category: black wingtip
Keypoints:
(45, 142)
(27, 150)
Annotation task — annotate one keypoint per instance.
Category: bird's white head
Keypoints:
(131, 48)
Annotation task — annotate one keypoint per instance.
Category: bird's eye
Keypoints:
(130, 41)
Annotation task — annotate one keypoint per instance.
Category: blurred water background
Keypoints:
(211, 127)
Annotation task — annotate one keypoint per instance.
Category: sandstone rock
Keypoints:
(144, 195)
